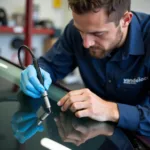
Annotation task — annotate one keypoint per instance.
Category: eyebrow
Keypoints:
(96, 32)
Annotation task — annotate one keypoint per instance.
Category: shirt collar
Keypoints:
(133, 45)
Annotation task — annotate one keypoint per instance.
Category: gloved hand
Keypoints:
(30, 84)
(24, 125)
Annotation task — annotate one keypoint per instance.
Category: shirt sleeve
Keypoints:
(135, 118)
(60, 59)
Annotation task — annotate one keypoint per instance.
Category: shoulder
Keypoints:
(144, 21)
(142, 17)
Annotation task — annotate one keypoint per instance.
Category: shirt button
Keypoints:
(109, 81)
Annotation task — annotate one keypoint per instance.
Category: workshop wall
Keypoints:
(47, 11)
(141, 5)
(60, 17)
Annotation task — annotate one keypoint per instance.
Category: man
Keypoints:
(110, 45)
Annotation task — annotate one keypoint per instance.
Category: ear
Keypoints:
(127, 18)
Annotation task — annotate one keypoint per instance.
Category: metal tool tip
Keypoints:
(39, 123)
(49, 110)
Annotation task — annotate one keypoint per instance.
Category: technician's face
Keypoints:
(99, 35)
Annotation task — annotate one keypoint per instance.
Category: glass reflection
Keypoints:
(25, 122)
(65, 127)
(25, 125)
(74, 130)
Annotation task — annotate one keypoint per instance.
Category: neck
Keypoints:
(125, 33)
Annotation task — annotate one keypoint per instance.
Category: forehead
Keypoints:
(91, 20)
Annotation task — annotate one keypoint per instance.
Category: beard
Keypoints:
(100, 52)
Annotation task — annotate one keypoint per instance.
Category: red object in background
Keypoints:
(15, 30)
(28, 30)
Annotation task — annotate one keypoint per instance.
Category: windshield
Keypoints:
(12, 73)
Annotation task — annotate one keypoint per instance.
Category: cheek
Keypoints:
(99, 40)
(104, 42)
(111, 38)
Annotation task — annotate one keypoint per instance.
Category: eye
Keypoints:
(99, 34)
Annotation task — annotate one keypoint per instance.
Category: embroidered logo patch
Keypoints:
(135, 80)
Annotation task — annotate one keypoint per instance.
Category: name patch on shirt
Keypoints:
(135, 80)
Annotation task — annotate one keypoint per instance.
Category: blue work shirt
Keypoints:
(121, 77)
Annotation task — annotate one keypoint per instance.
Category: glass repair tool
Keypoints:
(42, 118)
(39, 75)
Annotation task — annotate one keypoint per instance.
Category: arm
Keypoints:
(135, 117)
(60, 60)
(56, 64)
(84, 103)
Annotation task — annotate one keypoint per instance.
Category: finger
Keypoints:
(63, 100)
(28, 88)
(77, 92)
(82, 113)
(72, 93)
(73, 99)
(79, 105)
(47, 79)
(35, 82)
(29, 93)
(22, 116)
(26, 83)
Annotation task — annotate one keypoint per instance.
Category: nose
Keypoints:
(88, 40)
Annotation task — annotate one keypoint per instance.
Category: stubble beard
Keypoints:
(99, 52)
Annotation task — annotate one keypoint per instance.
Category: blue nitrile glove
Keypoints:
(24, 126)
(30, 84)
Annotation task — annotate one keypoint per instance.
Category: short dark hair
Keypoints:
(114, 8)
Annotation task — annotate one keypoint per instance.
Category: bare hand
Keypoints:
(84, 103)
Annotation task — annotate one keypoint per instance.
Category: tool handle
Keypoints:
(37, 68)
